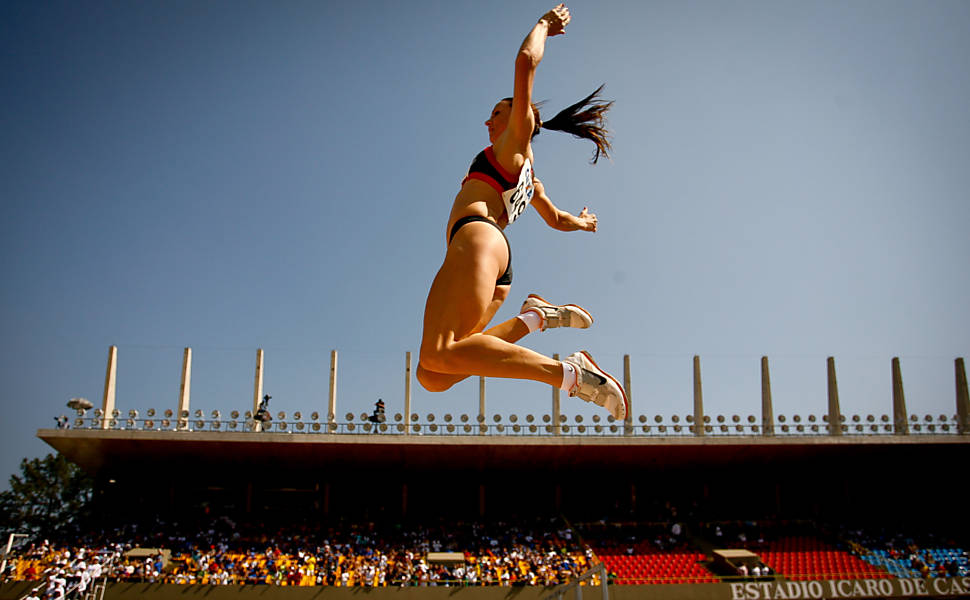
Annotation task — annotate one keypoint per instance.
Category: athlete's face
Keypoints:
(499, 120)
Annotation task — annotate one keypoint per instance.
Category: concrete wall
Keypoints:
(951, 587)
(132, 591)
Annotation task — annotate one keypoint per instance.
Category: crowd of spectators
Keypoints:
(220, 551)
(224, 553)
(60, 571)
(756, 570)
(927, 565)
(923, 553)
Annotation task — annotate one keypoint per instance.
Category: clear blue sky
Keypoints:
(790, 179)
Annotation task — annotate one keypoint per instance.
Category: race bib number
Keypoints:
(518, 199)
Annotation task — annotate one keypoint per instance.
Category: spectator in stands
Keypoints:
(215, 553)
(83, 578)
(952, 567)
(95, 569)
(56, 585)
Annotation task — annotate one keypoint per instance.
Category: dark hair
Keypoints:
(585, 119)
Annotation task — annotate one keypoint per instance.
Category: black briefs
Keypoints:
(506, 278)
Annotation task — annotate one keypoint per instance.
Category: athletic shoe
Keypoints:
(567, 315)
(595, 385)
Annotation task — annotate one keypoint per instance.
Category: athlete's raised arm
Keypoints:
(522, 119)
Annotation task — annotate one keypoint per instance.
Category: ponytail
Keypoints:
(587, 120)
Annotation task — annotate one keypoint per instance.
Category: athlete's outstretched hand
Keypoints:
(587, 220)
(557, 19)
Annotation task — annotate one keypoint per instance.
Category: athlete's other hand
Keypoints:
(557, 19)
(587, 220)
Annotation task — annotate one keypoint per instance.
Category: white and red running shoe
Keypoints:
(566, 315)
(595, 385)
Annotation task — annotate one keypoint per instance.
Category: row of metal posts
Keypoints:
(900, 414)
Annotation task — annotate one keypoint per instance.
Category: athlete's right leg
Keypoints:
(547, 315)
(512, 330)
(459, 298)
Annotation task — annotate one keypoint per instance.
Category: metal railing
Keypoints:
(508, 425)
(594, 576)
(95, 588)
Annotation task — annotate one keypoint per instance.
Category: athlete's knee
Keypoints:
(434, 359)
(433, 382)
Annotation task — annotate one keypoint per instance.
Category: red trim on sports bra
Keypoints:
(490, 155)
(483, 177)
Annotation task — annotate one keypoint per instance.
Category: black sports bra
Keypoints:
(486, 168)
(516, 190)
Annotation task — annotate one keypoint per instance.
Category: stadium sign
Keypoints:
(870, 588)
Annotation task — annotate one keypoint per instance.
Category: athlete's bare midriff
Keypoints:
(477, 199)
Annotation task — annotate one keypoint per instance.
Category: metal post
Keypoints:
(110, 386)
(900, 417)
(963, 399)
(6, 553)
(835, 413)
(767, 408)
(482, 422)
(556, 406)
(407, 391)
(332, 402)
(628, 388)
(185, 390)
(481, 403)
(698, 399)
(258, 389)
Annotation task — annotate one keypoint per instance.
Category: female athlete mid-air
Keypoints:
(476, 274)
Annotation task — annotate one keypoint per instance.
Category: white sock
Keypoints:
(569, 376)
(531, 319)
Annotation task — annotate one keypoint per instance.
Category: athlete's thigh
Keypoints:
(439, 382)
(499, 294)
(463, 291)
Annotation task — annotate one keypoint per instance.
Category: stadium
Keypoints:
(788, 183)
(537, 506)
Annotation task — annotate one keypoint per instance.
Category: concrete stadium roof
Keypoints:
(108, 452)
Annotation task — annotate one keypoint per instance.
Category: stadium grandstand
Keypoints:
(467, 506)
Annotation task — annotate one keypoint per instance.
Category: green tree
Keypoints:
(51, 496)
